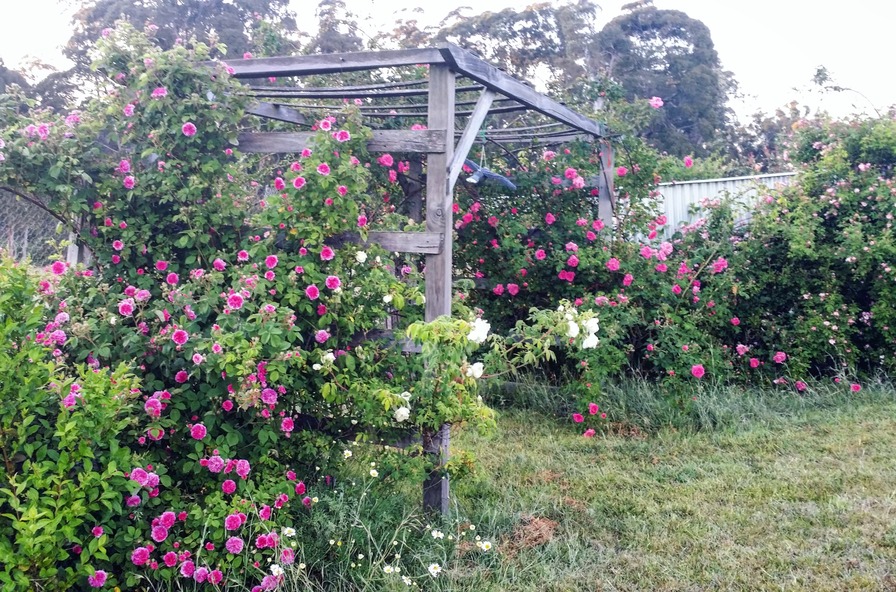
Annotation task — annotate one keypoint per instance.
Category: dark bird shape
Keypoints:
(483, 174)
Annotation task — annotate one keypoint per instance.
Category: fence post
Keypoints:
(438, 274)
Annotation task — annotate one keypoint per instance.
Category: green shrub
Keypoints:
(59, 442)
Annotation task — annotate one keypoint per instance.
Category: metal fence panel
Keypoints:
(26, 231)
(679, 197)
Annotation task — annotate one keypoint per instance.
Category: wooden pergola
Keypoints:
(460, 92)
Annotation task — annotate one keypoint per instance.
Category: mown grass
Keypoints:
(784, 493)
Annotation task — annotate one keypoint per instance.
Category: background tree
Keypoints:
(761, 144)
(9, 77)
(666, 53)
(544, 40)
(337, 29)
(230, 21)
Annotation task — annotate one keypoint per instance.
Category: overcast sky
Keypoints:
(771, 46)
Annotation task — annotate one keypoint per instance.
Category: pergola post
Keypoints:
(439, 219)
(606, 199)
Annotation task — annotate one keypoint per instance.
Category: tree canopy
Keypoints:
(666, 53)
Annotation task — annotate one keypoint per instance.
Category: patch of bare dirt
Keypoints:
(531, 532)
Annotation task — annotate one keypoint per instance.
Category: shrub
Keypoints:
(248, 312)
(60, 428)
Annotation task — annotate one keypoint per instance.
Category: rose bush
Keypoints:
(242, 293)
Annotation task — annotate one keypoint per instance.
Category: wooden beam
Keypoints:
(333, 62)
(423, 141)
(438, 273)
(474, 123)
(472, 67)
(300, 93)
(430, 243)
(277, 112)
(426, 243)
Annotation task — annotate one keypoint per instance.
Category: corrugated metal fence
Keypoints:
(680, 197)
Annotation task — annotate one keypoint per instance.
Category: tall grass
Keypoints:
(647, 406)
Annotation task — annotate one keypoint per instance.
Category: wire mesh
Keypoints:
(26, 231)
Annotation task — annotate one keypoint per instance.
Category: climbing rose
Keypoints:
(126, 307)
(180, 337)
(98, 579)
(233, 545)
(159, 533)
(198, 431)
(140, 556)
(189, 129)
(232, 522)
(235, 301)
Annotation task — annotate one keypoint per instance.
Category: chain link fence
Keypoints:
(26, 231)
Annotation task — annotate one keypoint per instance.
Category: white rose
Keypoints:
(361, 256)
(387, 298)
(592, 325)
(402, 414)
(475, 370)
(479, 331)
(590, 342)
(573, 330)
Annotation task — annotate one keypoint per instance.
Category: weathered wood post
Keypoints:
(606, 199)
(439, 218)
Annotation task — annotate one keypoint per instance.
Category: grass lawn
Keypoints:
(806, 502)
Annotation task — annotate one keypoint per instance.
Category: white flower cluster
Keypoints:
(404, 411)
(475, 370)
(479, 329)
(575, 327)
(402, 414)
(326, 359)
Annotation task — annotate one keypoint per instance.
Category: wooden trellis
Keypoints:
(460, 85)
